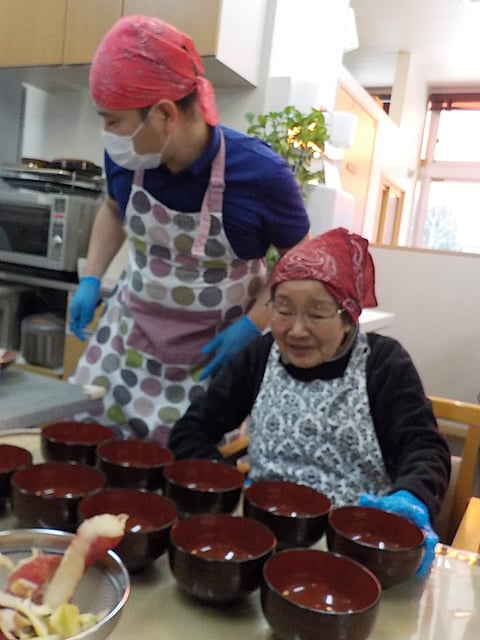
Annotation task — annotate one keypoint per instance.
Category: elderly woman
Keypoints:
(328, 406)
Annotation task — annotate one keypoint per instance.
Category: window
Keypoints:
(448, 191)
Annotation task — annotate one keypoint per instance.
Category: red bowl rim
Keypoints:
(48, 433)
(342, 557)
(22, 453)
(237, 486)
(166, 460)
(132, 492)
(191, 520)
(368, 545)
(92, 472)
(304, 516)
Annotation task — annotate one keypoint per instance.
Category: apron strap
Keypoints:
(212, 201)
(138, 178)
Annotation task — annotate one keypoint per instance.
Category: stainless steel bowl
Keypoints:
(105, 585)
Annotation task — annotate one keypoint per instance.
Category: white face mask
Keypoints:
(122, 151)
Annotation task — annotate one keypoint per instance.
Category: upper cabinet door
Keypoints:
(31, 33)
(228, 34)
(199, 19)
(86, 23)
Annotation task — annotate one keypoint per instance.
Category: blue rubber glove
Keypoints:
(227, 343)
(407, 505)
(84, 302)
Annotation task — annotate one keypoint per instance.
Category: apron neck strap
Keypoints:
(213, 199)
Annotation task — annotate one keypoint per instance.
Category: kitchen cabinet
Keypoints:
(67, 32)
(62, 32)
(86, 23)
(200, 20)
(31, 35)
(227, 33)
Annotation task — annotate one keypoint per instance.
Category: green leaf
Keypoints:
(305, 129)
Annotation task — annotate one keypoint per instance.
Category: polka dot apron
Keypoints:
(182, 285)
(318, 433)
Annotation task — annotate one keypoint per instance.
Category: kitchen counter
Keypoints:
(443, 606)
(33, 277)
(28, 398)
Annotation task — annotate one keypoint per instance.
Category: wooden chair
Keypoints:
(459, 420)
(455, 418)
(467, 536)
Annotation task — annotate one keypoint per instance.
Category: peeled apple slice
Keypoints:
(29, 577)
(94, 537)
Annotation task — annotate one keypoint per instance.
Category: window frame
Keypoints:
(431, 170)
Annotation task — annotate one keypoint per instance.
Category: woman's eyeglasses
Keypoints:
(282, 312)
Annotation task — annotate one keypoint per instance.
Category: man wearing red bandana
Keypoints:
(199, 204)
(329, 406)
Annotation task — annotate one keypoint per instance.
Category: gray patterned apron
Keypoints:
(182, 285)
(318, 433)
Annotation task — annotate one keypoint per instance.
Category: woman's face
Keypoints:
(307, 323)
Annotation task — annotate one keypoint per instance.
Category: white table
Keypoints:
(446, 606)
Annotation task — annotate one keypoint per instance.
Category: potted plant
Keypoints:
(298, 137)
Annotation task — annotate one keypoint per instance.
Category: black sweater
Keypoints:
(416, 455)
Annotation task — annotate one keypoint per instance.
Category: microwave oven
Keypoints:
(45, 230)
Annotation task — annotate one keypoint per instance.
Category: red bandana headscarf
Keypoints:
(142, 60)
(340, 261)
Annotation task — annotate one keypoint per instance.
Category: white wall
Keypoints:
(308, 45)
(61, 124)
(11, 108)
(397, 143)
(437, 314)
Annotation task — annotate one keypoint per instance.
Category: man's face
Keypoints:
(121, 122)
(149, 134)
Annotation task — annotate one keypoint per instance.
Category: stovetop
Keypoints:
(52, 180)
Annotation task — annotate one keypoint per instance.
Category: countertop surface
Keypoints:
(444, 606)
(28, 399)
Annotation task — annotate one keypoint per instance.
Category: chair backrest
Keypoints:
(460, 420)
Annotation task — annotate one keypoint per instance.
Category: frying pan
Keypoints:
(80, 166)
(36, 163)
